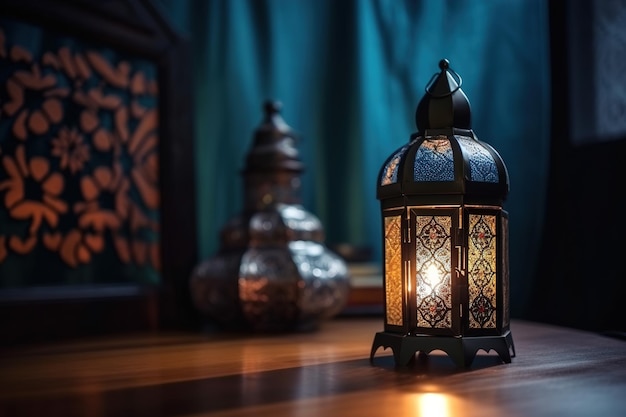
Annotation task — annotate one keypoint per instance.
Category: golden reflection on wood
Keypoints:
(556, 372)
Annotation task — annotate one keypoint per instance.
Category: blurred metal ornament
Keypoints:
(272, 271)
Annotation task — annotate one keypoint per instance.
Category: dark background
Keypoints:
(580, 279)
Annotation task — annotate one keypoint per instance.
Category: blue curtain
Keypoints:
(349, 74)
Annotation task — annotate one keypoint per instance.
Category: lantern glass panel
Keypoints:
(434, 160)
(433, 250)
(393, 270)
(504, 238)
(483, 167)
(482, 271)
(390, 171)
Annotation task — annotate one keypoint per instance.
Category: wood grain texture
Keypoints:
(557, 372)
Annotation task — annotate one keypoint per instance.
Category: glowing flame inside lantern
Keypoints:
(433, 278)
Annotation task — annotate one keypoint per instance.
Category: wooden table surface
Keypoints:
(557, 372)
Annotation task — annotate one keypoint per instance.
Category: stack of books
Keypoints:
(366, 289)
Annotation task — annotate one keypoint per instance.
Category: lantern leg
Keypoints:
(501, 344)
(402, 353)
(404, 348)
(509, 342)
(462, 350)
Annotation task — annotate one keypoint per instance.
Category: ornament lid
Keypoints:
(273, 146)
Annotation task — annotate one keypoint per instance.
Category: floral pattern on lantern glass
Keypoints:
(481, 270)
(434, 160)
(393, 271)
(433, 245)
(483, 167)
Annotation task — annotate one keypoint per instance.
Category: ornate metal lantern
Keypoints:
(272, 271)
(446, 270)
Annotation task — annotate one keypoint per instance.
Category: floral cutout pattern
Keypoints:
(79, 155)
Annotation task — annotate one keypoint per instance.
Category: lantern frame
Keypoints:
(460, 303)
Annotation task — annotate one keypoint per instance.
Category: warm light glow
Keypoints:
(433, 405)
(433, 278)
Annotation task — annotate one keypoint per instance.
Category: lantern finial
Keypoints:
(272, 107)
(445, 105)
(273, 147)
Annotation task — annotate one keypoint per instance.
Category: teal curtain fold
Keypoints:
(350, 74)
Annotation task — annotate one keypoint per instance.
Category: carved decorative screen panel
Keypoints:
(97, 187)
(79, 161)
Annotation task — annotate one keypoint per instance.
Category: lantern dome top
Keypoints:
(444, 157)
(444, 105)
(273, 146)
